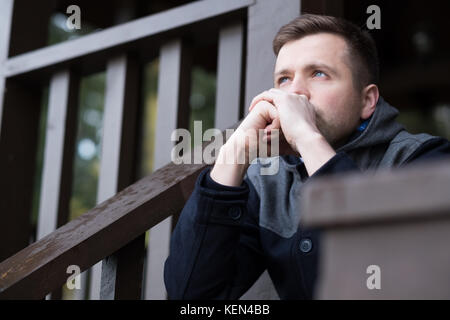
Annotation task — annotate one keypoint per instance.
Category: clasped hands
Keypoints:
(291, 113)
(294, 116)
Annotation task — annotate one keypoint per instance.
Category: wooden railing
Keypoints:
(111, 227)
(113, 230)
(383, 235)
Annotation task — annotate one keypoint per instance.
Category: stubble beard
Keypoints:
(327, 129)
(332, 131)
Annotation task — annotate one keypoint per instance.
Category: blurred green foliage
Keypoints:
(88, 144)
(202, 101)
(148, 122)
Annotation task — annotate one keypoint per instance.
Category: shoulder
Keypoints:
(433, 148)
(404, 146)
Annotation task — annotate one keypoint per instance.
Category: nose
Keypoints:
(299, 87)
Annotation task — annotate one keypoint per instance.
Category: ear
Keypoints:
(370, 95)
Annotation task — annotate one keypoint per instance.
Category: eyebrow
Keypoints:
(311, 66)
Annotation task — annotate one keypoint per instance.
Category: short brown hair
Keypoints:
(362, 48)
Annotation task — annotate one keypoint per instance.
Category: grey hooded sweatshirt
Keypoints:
(384, 143)
(227, 236)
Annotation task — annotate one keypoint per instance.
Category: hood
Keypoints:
(382, 128)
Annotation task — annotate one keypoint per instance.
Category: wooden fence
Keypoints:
(114, 231)
(383, 236)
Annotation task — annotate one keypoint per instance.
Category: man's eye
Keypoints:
(318, 73)
(280, 80)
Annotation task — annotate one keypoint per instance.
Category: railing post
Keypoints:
(261, 29)
(122, 272)
(173, 94)
(229, 74)
(58, 152)
(6, 11)
(20, 105)
(59, 148)
(117, 168)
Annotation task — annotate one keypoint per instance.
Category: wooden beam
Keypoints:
(393, 226)
(261, 29)
(18, 148)
(413, 192)
(117, 154)
(20, 107)
(229, 74)
(41, 267)
(119, 35)
(412, 257)
(172, 113)
(122, 272)
(58, 153)
(6, 11)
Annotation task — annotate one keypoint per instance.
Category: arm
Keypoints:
(215, 251)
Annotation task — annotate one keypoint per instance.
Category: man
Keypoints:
(237, 222)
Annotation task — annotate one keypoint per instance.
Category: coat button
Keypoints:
(235, 213)
(305, 245)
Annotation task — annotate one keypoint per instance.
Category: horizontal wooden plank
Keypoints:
(413, 261)
(120, 35)
(418, 191)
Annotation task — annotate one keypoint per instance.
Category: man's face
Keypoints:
(318, 66)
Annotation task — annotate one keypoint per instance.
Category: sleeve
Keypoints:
(340, 163)
(215, 249)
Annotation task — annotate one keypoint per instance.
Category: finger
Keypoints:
(259, 98)
(268, 112)
(275, 90)
(303, 96)
(253, 104)
(274, 125)
(266, 95)
(272, 112)
(255, 100)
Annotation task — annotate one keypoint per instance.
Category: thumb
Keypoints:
(274, 125)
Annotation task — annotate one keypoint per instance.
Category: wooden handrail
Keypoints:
(41, 267)
(382, 236)
(418, 191)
